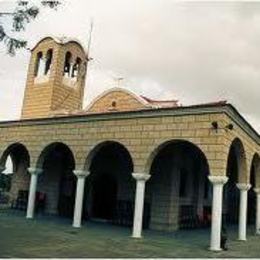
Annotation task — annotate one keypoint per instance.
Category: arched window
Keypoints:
(67, 64)
(76, 68)
(48, 62)
(37, 64)
(113, 104)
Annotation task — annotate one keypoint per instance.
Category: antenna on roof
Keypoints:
(90, 37)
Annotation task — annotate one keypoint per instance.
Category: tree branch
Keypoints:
(22, 15)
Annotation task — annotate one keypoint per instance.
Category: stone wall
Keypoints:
(20, 181)
(141, 134)
(116, 100)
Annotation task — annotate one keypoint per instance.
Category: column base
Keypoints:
(241, 239)
(215, 249)
(137, 237)
(29, 217)
(76, 225)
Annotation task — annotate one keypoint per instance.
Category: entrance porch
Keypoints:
(49, 236)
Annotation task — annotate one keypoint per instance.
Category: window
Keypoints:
(48, 62)
(114, 104)
(76, 68)
(67, 64)
(39, 60)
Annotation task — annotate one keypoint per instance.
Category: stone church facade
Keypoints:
(126, 158)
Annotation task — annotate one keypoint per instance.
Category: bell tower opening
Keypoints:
(56, 78)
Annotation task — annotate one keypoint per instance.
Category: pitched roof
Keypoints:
(149, 104)
(62, 40)
(161, 103)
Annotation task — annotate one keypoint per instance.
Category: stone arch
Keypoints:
(154, 153)
(19, 178)
(237, 150)
(255, 170)
(110, 187)
(57, 183)
(18, 152)
(99, 146)
(50, 147)
(178, 187)
(236, 171)
(255, 184)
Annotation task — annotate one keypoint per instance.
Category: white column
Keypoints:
(257, 217)
(32, 192)
(243, 187)
(216, 218)
(141, 178)
(81, 175)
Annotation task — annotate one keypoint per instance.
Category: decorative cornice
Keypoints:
(36, 171)
(228, 109)
(141, 176)
(81, 174)
(233, 113)
(218, 179)
(244, 186)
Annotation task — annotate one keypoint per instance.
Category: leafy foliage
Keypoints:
(24, 13)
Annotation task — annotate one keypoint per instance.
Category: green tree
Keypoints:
(24, 13)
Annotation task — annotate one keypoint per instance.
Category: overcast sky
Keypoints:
(195, 52)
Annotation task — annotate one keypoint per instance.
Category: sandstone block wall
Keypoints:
(141, 135)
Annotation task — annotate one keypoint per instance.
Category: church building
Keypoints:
(127, 159)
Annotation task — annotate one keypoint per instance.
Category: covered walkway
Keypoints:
(54, 237)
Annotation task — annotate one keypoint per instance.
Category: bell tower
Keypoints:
(56, 78)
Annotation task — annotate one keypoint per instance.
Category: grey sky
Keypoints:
(194, 51)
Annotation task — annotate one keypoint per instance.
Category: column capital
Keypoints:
(244, 186)
(81, 173)
(218, 179)
(257, 191)
(35, 171)
(141, 176)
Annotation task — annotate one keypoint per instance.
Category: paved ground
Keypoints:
(54, 237)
